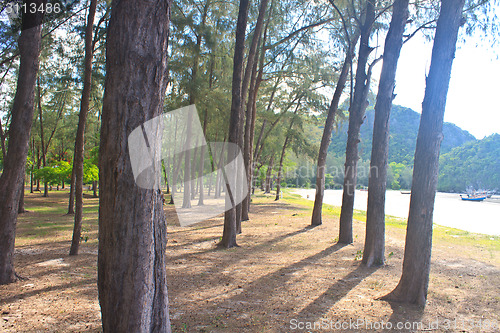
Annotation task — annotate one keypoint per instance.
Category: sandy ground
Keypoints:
(283, 277)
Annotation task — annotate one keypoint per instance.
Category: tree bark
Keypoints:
(374, 250)
(414, 282)
(2, 140)
(356, 118)
(327, 135)
(80, 133)
(21, 208)
(71, 203)
(132, 228)
(19, 135)
(230, 216)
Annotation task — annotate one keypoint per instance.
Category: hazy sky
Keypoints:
(473, 97)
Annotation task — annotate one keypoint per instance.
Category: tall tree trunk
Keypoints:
(32, 165)
(230, 216)
(412, 288)
(327, 135)
(71, 203)
(2, 140)
(248, 143)
(132, 228)
(202, 157)
(186, 202)
(269, 172)
(42, 137)
(21, 209)
(356, 117)
(283, 152)
(80, 133)
(19, 135)
(373, 254)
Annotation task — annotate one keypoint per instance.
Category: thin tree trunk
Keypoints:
(71, 203)
(21, 209)
(414, 282)
(247, 152)
(42, 139)
(202, 157)
(268, 175)
(327, 135)
(374, 250)
(80, 133)
(186, 203)
(230, 216)
(19, 135)
(283, 152)
(2, 140)
(356, 117)
(32, 165)
(38, 161)
(132, 227)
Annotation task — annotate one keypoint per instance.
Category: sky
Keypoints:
(473, 103)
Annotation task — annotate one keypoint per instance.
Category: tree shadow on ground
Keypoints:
(407, 317)
(257, 247)
(322, 304)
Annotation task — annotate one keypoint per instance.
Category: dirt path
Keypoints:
(283, 275)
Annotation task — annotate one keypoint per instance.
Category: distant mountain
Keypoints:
(475, 164)
(404, 124)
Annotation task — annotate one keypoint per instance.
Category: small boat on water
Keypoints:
(405, 192)
(473, 197)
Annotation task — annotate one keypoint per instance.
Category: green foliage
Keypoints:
(54, 174)
(475, 164)
(90, 172)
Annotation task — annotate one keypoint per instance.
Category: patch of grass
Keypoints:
(441, 235)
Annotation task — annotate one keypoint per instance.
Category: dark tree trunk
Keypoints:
(71, 203)
(356, 117)
(248, 143)
(412, 287)
(19, 135)
(80, 133)
(373, 254)
(230, 216)
(38, 161)
(21, 209)
(2, 140)
(32, 180)
(132, 229)
(327, 135)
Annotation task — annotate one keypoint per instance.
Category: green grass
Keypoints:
(441, 234)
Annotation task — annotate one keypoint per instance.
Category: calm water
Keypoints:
(449, 210)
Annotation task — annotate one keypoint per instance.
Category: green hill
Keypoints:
(475, 164)
(404, 124)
